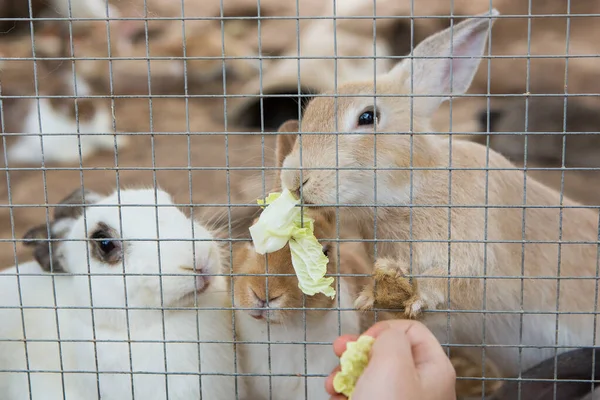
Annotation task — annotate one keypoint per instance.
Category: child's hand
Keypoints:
(407, 363)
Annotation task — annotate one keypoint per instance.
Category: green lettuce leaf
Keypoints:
(353, 362)
(282, 222)
(276, 224)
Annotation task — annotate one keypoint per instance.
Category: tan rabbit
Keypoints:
(281, 317)
(502, 258)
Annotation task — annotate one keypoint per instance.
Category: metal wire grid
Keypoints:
(264, 169)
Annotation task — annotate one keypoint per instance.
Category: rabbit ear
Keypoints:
(44, 250)
(445, 63)
(574, 371)
(72, 205)
(286, 140)
(47, 256)
(35, 235)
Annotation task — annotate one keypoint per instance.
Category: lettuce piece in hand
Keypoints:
(276, 224)
(353, 362)
(282, 222)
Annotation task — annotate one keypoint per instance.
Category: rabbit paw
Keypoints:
(391, 289)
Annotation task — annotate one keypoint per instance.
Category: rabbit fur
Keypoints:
(75, 9)
(454, 273)
(111, 339)
(59, 120)
(268, 310)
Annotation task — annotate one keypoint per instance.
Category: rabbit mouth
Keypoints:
(266, 315)
(190, 298)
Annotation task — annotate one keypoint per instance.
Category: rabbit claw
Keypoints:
(391, 289)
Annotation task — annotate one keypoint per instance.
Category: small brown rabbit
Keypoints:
(458, 226)
(545, 117)
(274, 309)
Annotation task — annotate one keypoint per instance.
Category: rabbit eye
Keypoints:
(105, 244)
(326, 250)
(106, 248)
(368, 118)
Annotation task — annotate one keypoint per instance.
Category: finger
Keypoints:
(339, 345)
(390, 370)
(425, 347)
(329, 381)
(377, 329)
(429, 361)
(338, 397)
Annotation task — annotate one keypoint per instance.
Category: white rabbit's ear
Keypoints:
(45, 251)
(72, 205)
(67, 211)
(445, 63)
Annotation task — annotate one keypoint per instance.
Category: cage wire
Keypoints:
(144, 361)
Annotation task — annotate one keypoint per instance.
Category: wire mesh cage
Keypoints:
(436, 161)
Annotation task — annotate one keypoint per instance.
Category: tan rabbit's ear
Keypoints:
(286, 140)
(445, 63)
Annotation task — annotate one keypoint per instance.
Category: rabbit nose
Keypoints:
(202, 281)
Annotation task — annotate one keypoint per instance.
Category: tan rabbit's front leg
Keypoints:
(391, 289)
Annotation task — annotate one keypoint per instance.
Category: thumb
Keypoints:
(391, 370)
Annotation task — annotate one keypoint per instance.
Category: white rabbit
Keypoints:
(70, 115)
(60, 128)
(130, 328)
(84, 9)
